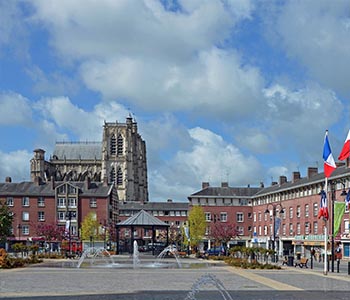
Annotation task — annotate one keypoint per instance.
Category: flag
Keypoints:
(329, 164)
(323, 212)
(339, 210)
(347, 200)
(345, 152)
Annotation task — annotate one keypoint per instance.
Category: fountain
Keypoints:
(205, 280)
(169, 249)
(96, 253)
(135, 256)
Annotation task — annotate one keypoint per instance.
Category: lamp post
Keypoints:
(19, 226)
(69, 216)
(274, 233)
(343, 193)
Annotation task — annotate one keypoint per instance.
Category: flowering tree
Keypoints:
(223, 232)
(197, 225)
(50, 232)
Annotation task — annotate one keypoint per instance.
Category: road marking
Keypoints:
(276, 285)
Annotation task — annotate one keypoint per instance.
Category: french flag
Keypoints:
(329, 164)
(323, 212)
(345, 152)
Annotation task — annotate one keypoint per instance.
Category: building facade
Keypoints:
(120, 159)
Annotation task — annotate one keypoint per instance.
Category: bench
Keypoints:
(182, 253)
(302, 262)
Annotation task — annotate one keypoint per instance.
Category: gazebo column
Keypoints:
(132, 239)
(167, 236)
(153, 239)
(117, 234)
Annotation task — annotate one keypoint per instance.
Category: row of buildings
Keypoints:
(109, 179)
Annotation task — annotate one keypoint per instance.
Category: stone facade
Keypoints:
(119, 159)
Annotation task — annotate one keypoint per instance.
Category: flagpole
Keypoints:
(325, 232)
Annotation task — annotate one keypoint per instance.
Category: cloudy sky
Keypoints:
(222, 90)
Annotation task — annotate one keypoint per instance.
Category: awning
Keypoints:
(308, 243)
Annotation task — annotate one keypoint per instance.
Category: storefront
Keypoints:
(304, 243)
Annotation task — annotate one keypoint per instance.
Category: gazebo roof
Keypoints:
(142, 218)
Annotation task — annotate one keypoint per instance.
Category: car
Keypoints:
(215, 251)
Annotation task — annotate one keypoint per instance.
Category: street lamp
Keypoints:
(343, 193)
(69, 216)
(274, 231)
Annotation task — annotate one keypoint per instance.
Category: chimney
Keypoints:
(52, 182)
(87, 182)
(339, 164)
(205, 185)
(296, 176)
(105, 181)
(8, 179)
(274, 183)
(262, 184)
(283, 179)
(224, 184)
(312, 171)
(169, 200)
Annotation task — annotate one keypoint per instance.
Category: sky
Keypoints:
(233, 91)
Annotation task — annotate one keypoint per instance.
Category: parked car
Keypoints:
(215, 251)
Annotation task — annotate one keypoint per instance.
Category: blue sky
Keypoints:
(239, 91)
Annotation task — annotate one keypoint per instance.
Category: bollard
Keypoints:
(338, 264)
(311, 264)
(348, 267)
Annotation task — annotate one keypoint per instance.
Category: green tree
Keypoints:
(89, 227)
(6, 219)
(197, 225)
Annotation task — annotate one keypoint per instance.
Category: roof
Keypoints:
(78, 150)
(143, 218)
(96, 189)
(154, 206)
(227, 192)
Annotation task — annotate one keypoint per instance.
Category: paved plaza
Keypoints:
(60, 282)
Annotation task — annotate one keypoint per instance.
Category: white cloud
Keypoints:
(317, 34)
(210, 159)
(15, 165)
(15, 109)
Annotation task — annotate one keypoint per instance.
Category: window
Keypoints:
(291, 230)
(298, 229)
(120, 177)
(259, 216)
(112, 175)
(290, 212)
(25, 216)
(239, 217)
(307, 210)
(120, 145)
(93, 202)
(249, 215)
(315, 228)
(254, 217)
(315, 209)
(208, 216)
(9, 201)
(61, 216)
(172, 213)
(177, 213)
(284, 229)
(177, 223)
(41, 216)
(307, 228)
(25, 229)
(265, 230)
(72, 202)
(183, 213)
(259, 230)
(240, 230)
(25, 201)
(112, 145)
(61, 202)
(72, 190)
(223, 217)
(298, 211)
(41, 201)
(61, 189)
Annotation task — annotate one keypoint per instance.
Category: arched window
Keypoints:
(120, 145)
(113, 145)
(112, 175)
(119, 177)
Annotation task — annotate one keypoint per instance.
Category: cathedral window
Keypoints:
(119, 177)
(112, 175)
(113, 145)
(120, 145)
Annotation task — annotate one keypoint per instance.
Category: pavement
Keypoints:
(197, 279)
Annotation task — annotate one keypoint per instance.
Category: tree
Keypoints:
(6, 219)
(50, 232)
(197, 225)
(89, 227)
(223, 232)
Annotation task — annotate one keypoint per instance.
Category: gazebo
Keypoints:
(142, 220)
